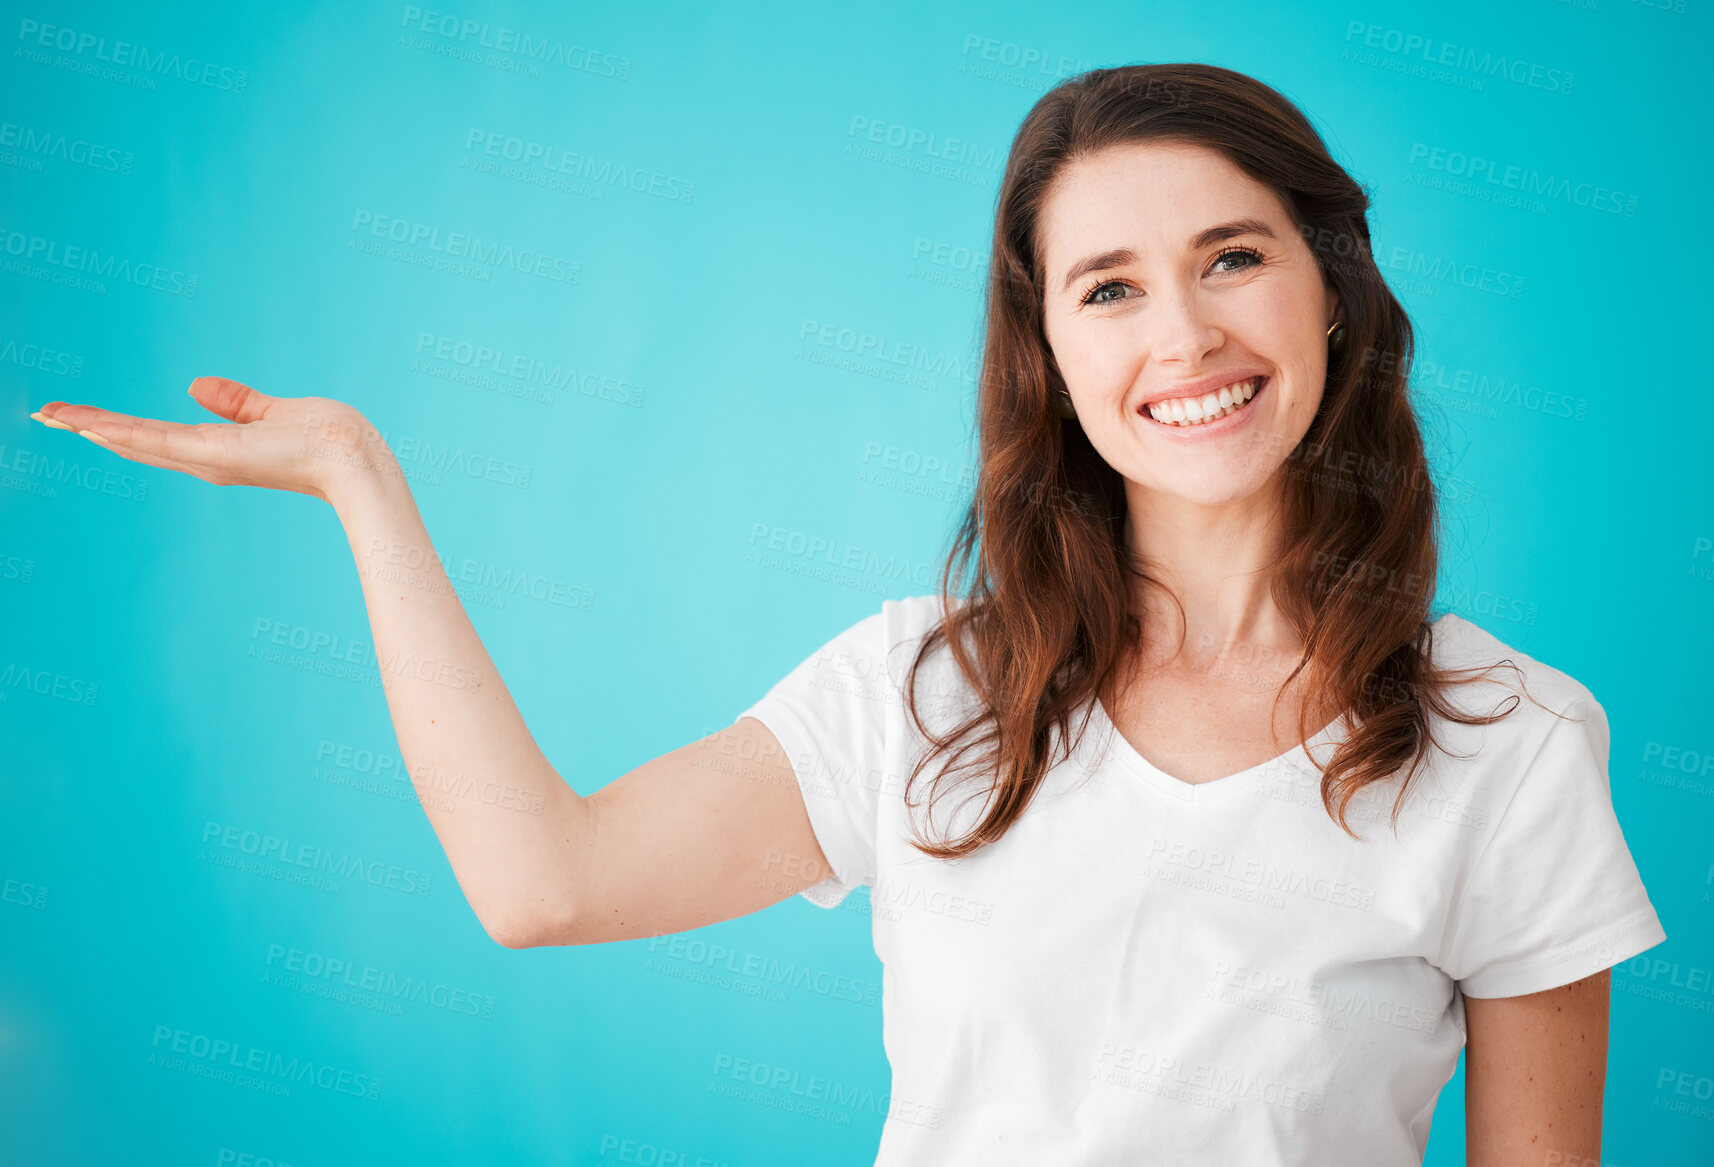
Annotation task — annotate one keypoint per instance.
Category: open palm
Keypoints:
(311, 445)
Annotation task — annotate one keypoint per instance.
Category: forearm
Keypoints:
(507, 821)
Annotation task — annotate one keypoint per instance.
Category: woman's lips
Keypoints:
(1174, 415)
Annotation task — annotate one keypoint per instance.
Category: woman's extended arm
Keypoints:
(511, 828)
(710, 831)
(1535, 1069)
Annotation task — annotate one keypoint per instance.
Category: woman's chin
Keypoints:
(1210, 490)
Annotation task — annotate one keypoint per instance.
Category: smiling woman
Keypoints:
(1159, 927)
(1186, 331)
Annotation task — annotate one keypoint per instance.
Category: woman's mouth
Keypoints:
(1189, 412)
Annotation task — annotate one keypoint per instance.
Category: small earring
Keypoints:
(1062, 405)
(1336, 335)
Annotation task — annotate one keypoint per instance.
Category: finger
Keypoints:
(46, 414)
(231, 399)
(83, 417)
(192, 445)
(135, 456)
(48, 421)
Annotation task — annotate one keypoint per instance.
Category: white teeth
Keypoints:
(1209, 407)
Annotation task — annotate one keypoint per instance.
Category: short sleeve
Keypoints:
(829, 714)
(1555, 896)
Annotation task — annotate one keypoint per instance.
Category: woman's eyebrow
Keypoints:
(1120, 256)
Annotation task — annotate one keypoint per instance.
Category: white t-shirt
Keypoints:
(1144, 970)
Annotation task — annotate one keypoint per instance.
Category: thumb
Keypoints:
(231, 399)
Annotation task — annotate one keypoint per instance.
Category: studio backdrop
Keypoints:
(672, 315)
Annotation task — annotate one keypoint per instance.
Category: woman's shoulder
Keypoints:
(910, 618)
(1460, 644)
(913, 616)
(903, 625)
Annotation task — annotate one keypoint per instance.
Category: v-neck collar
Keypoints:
(1218, 788)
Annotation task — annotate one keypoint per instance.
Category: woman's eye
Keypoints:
(1238, 253)
(1097, 293)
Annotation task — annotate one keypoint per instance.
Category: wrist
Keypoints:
(348, 457)
(360, 478)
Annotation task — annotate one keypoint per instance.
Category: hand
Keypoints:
(312, 445)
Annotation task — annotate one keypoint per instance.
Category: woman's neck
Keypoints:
(1215, 561)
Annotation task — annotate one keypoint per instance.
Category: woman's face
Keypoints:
(1170, 273)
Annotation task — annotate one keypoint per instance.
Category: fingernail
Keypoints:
(58, 425)
(93, 436)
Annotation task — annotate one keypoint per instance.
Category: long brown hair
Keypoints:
(1046, 614)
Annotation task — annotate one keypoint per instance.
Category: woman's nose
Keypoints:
(1179, 329)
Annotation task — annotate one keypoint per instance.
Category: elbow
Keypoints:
(508, 935)
(508, 938)
(522, 931)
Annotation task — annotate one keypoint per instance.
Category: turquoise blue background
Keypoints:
(1564, 406)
